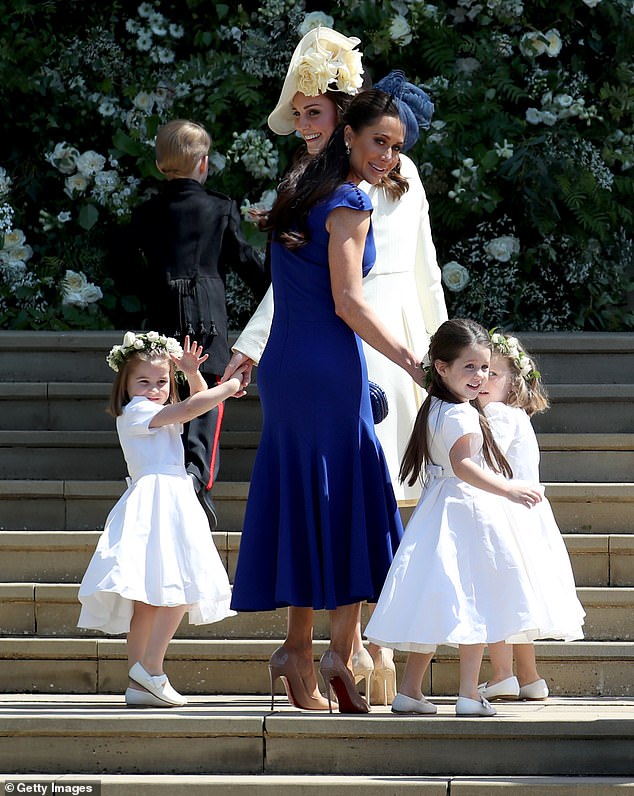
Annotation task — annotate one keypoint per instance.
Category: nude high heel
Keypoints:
(363, 669)
(283, 665)
(383, 689)
(339, 678)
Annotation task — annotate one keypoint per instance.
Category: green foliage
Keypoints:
(529, 158)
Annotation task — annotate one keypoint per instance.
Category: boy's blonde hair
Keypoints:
(179, 146)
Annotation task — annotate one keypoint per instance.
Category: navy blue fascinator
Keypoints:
(414, 106)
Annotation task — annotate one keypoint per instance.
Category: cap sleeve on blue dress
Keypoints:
(350, 195)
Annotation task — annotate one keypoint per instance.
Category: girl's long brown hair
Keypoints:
(119, 395)
(451, 338)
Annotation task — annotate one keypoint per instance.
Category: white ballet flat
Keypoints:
(537, 691)
(474, 707)
(505, 689)
(404, 705)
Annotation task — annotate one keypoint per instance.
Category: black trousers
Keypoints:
(201, 440)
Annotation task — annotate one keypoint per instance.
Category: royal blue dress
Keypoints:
(321, 523)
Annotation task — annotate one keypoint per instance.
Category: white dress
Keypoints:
(404, 288)
(459, 575)
(543, 543)
(156, 546)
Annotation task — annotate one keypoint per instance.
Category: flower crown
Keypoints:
(148, 342)
(329, 66)
(509, 347)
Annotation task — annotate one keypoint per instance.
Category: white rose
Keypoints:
(533, 116)
(90, 163)
(455, 276)
(73, 281)
(349, 78)
(532, 44)
(128, 339)
(503, 248)
(152, 336)
(14, 238)
(75, 183)
(400, 30)
(553, 42)
(314, 20)
(63, 157)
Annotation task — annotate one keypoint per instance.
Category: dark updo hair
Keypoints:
(447, 344)
(313, 179)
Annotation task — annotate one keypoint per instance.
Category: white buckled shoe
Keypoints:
(158, 685)
(474, 707)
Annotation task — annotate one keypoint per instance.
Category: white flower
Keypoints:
(63, 157)
(217, 162)
(128, 339)
(107, 107)
(144, 41)
(14, 238)
(563, 100)
(152, 336)
(553, 42)
(455, 276)
(78, 291)
(90, 162)
(400, 31)
(504, 150)
(503, 248)
(532, 44)
(144, 101)
(63, 216)
(176, 31)
(5, 182)
(145, 10)
(533, 116)
(314, 20)
(315, 73)
(592, 3)
(467, 65)
(549, 118)
(75, 183)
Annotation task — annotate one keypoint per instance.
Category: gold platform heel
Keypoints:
(363, 669)
(383, 688)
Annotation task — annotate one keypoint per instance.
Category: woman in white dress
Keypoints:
(404, 288)
(155, 559)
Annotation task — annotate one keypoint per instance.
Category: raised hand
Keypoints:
(192, 357)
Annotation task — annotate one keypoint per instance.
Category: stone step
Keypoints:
(52, 609)
(563, 357)
(328, 785)
(233, 666)
(62, 556)
(231, 734)
(94, 454)
(77, 406)
(582, 357)
(69, 505)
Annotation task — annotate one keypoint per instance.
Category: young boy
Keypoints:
(190, 238)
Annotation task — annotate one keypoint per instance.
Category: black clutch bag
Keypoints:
(378, 399)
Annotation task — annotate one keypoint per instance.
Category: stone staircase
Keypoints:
(61, 705)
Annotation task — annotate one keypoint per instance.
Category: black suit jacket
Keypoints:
(190, 238)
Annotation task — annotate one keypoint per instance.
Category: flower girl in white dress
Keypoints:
(155, 559)
(458, 576)
(512, 395)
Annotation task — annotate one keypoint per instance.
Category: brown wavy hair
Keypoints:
(119, 394)
(450, 339)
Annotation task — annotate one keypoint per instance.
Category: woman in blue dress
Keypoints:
(321, 523)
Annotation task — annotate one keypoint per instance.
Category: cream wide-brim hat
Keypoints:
(281, 118)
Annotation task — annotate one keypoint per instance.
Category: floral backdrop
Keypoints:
(528, 164)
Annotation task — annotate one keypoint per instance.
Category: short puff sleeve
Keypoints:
(460, 420)
(137, 416)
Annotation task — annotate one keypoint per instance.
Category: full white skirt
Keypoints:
(156, 548)
(473, 568)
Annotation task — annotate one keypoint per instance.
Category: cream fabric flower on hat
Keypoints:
(323, 60)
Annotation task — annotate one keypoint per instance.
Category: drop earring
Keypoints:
(347, 149)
